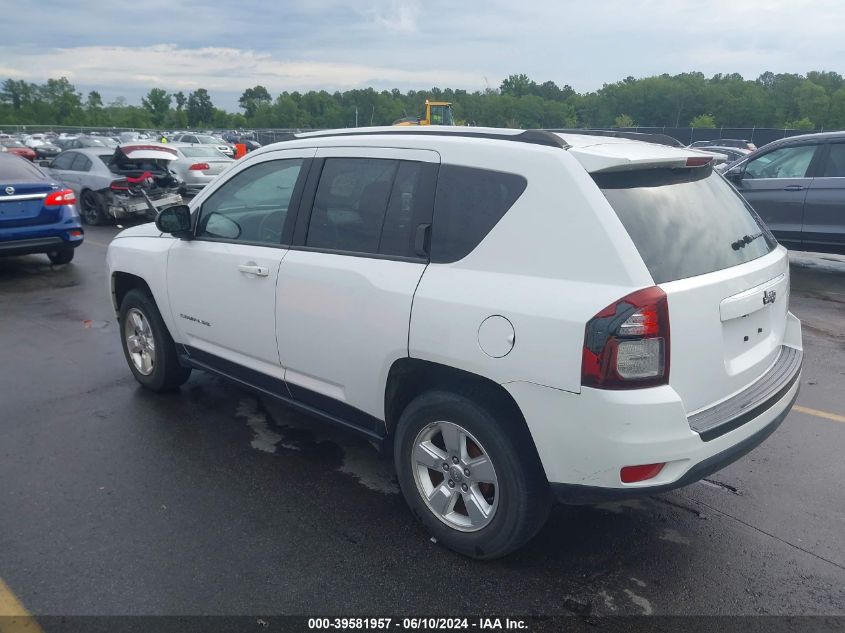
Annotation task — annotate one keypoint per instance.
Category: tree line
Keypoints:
(812, 101)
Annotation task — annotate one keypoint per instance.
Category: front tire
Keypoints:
(470, 476)
(61, 256)
(147, 345)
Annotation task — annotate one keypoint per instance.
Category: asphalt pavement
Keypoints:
(118, 501)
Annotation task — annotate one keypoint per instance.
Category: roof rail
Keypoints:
(658, 139)
(534, 137)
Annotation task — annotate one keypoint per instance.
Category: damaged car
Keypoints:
(127, 182)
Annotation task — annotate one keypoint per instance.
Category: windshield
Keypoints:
(685, 222)
(208, 140)
(441, 115)
(12, 144)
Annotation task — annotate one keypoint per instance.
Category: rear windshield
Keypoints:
(685, 222)
(200, 152)
(15, 170)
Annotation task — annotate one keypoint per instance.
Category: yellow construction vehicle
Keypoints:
(435, 113)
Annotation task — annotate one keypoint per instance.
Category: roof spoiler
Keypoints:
(658, 139)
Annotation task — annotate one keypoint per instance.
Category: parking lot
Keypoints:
(214, 501)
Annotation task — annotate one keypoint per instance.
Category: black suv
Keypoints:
(797, 185)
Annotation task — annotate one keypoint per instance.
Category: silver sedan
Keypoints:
(198, 165)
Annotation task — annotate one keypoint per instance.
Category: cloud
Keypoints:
(337, 45)
(213, 68)
(401, 16)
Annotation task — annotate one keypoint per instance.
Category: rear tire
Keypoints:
(91, 208)
(147, 345)
(61, 256)
(480, 519)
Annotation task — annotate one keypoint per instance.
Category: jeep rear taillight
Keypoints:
(119, 185)
(626, 345)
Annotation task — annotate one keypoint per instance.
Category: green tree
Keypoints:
(199, 108)
(703, 121)
(836, 115)
(805, 125)
(180, 99)
(252, 98)
(811, 102)
(517, 85)
(17, 93)
(94, 101)
(624, 120)
(62, 101)
(157, 103)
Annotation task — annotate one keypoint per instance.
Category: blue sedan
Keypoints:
(37, 214)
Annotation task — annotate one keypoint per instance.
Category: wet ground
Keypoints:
(114, 500)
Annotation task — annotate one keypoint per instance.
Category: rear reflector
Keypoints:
(60, 198)
(699, 161)
(633, 474)
(199, 167)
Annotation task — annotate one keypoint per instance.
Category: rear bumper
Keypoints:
(37, 245)
(138, 207)
(585, 439)
(580, 494)
(42, 238)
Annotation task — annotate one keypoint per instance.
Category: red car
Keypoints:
(13, 147)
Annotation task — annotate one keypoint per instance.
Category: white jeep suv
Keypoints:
(517, 315)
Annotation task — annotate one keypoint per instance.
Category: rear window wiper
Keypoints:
(745, 239)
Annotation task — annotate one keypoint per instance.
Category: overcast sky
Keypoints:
(126, 48)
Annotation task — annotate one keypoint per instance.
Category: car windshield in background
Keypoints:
(201, 152)
(11, 144)
(685, 222)
(209, 140)
(99, 142)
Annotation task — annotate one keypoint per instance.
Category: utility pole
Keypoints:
(356, 116)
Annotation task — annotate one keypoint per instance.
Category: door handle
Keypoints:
(794, 188)
(252, 269)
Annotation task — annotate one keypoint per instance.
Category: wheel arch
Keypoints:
(411, 377)
(122, 283)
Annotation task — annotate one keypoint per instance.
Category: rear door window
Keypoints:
(685, 222)
(81, 163)
(351, 203)
(468, 204)
(835, 164)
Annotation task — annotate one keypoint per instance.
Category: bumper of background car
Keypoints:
(42, 238)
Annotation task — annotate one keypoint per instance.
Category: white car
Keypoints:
(518, 316)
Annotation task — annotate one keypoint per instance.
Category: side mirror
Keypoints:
(175, 220)
(735, 175)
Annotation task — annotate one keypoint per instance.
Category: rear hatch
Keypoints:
(23, 189)
(146, 161)
(726, 280)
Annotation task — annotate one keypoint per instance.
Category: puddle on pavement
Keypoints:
(277, 429)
